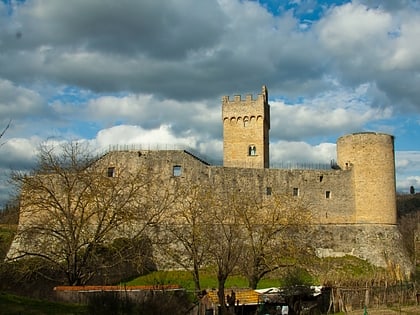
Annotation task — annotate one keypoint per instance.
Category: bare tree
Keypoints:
(4, 131)
(226, 238)
(184, 240)
(74, 205)
(274, 230)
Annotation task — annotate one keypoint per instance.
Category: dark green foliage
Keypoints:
(124, 258)
(408, 204)
(29, 277)
(297, 277)
(7, 232)
(153, 302)
(15, 305)
(408, 219)
(110, 303)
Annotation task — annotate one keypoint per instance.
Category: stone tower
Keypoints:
(246, 125)
(370, 156)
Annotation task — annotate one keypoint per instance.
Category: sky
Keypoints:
(152, 73)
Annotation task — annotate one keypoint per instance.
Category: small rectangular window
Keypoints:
(295, 191)
(268, 191)
(328, 194)
(111, 172)
(177, 170)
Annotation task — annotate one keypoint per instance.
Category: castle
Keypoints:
(353, 204)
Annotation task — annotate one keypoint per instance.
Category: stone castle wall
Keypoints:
(328, 194)
(353, 207)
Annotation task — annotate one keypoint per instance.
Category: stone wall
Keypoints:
(328, 194)
(379, 244)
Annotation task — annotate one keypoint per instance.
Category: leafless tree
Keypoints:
(226, 238)
(274, 229)
(184, 238)
(73, 206)
(4, 131)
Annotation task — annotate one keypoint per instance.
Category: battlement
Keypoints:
(238, 99)
(260, 98)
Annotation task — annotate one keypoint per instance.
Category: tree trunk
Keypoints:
(253, 281)
(196, 276)
(221, 294)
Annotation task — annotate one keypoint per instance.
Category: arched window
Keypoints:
(252, 150)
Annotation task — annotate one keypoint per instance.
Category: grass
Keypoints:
(7, 232)
(207, 280)
(16, 305)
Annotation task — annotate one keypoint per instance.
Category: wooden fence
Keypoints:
(346, 299)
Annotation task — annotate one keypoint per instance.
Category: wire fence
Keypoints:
(218, 161)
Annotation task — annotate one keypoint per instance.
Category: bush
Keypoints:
(152, 302)
(110, 303)
(297, 276)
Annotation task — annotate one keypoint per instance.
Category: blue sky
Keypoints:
(152, 73)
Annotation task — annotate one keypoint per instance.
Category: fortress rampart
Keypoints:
(353, 206)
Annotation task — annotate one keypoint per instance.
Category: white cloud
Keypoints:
(19, 153)
(17, 102)
(161, 137)
(334, 112)
(407, 164)
(301, 152)
(353, 29)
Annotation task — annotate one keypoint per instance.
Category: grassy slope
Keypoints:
(7, 233)
(14, 305)
(207, 280)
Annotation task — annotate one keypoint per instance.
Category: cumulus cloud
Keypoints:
(161, 137)
(128, 72)
(19, 102)
(289, 152)
(19, 153)
(407, 164)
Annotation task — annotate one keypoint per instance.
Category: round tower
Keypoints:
(370, 157)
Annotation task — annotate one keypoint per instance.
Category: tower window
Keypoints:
(111, 172)
(295, 191)
(268, 191)
(177, 170)
(321, 178)
(252, 150)
(328, 194)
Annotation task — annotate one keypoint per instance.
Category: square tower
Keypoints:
(246, 125)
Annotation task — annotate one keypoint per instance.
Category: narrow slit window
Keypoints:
(321, 178)
(295, 191)
(111, 172)
(328, 194)
(268, 191)
(177, 170)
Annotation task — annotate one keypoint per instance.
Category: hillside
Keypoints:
(408, 203)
